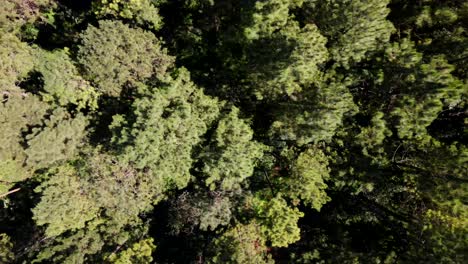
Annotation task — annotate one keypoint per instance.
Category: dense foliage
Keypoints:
(222, 131)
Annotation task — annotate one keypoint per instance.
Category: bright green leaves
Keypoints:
(95, 200)
(353, 27)
(114, 54)
(240, 244)
(278, 221)
(65, 203)
(431, 86)
(16, 60)
(306, 182)
(169, 122)
(141, 12)
(61, 133)
(267, 17)
(285, 59)
(6, 249)
(79, 245)
(139, 252)
(16, 13)
(62, 83)
(121, 190)
(232, 155)
(17, 115)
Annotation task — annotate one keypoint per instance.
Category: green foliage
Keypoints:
(27, 126)
(353, 27)
(65, 204)
(284, 59)
(306, 181)
(62, 133)
(62, 83)
(121, 190)
(354, 111)
(6, 254)
(17, 114)
(231, 156)
(268, 17)
(315, 115)
(78, 246)
(11, 172)
(114, 54)
(16, 60)
(169, 122)
(16, 13)
(139, 252)
(141, 12)
(206, 210)
(99, 204)
(372, 137)
(277, 220)
(436, 86)
(240, 244)
(294, 67)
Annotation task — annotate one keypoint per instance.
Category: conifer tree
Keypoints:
(16, 60)
(62, 83)
(240, 244)
(6, 255)
(352, 27)
(141, 12)
(167, 123)
(114, 54)
(232, 154)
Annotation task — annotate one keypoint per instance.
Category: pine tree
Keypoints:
(62, 83)
(240, 244)
(206, 210)
(18, 113)
(316, 114)
(62, 133)
(277, 220)
(16, 60)
(6, 254)
(231, 156)
(167, 123)
(65, 203)
(352, 27)
(98, 203)
(141, 12)
(306, 179)
(139, 252)
(114, 54)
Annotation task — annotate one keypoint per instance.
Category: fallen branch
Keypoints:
(10, 192)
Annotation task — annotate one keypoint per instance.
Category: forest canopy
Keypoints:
(223, 131)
